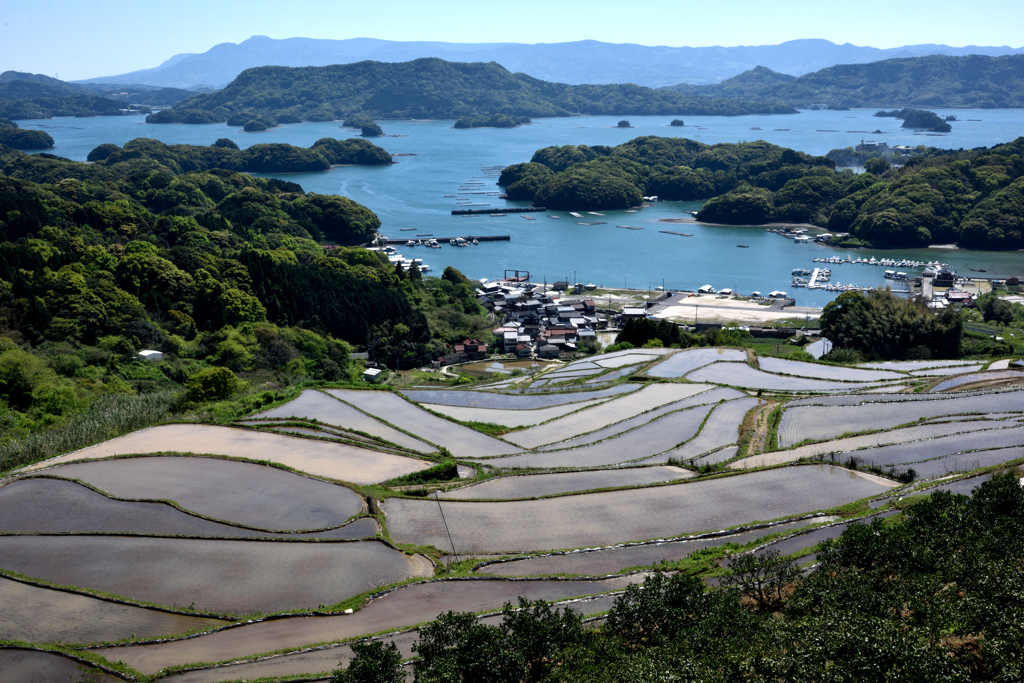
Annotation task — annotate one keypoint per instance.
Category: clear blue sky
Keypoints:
(77, 39)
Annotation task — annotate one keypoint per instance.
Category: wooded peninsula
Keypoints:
(973, 197)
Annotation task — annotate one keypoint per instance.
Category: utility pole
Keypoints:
(446, 528)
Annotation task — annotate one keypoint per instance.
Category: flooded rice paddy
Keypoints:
(600, 454)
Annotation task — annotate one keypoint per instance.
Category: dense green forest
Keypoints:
(492, 121)
(971, 197)
(974, 81)
(932, 594)
(31, 96)
(12, 135)
(156, 246)
(35, 96)
(434, 88)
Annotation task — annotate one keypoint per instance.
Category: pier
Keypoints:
(813, 282)
(468, 212)
(468, 238)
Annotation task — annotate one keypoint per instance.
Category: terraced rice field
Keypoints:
(323, 661)
(953, 383)
(942, 372)
(480, 399)
(319, 458)
(612, 376)
(943, 446)
(31, 665)
(839, 374)
(703, 398)
(605, 414)
(619, 516)
(827, 422)
(606, 561)
(650, 439)
(686, 361)
(570, 374)
(721, 429)
(965, 462)
(242, 493)
(742, 375)
(853, 443)
(715, 457)
(235, 537)
(237, 577)
(914, 365)
(405, 607)
(462, 442)
(43, 615)
(44, 505)
(507, 418)
(536, 485)
(621, 361)
(315, 405)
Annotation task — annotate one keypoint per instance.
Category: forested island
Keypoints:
(173, 248)
(492, 121)
(974, 81)
(14, 136)
(973, 197)
(434, 89)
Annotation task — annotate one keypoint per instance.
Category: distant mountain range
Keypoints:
(586, 61)
(936, 81)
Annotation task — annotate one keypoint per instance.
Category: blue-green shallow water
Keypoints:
(410, 194)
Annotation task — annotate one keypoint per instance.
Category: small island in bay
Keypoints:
(16, 137)
(492, 121)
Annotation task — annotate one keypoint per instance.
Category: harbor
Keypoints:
(405, 241)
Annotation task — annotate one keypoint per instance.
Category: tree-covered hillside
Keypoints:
(974, 198)
(434, 88)
(14, 136)
(33, 96)
(162, 247)
(935, 81)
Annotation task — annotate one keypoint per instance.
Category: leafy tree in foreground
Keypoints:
(373, 662)
(883, 326)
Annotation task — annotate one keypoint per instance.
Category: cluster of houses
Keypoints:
(534, 323)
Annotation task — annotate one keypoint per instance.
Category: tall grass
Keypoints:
(107, 417)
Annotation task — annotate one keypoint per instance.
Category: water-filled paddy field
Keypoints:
(281, 511)
(330, 460)
(222, 576)
(619, 516)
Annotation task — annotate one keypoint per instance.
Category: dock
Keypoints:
(671, 232)
(466, 212)
(813, 282)
(468, 238)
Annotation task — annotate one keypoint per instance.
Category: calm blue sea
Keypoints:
(411, 194)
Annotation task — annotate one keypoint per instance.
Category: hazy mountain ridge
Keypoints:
(586, 61)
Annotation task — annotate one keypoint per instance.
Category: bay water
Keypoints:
(419, 192)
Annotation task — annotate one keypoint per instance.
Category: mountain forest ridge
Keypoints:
(586, 61)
